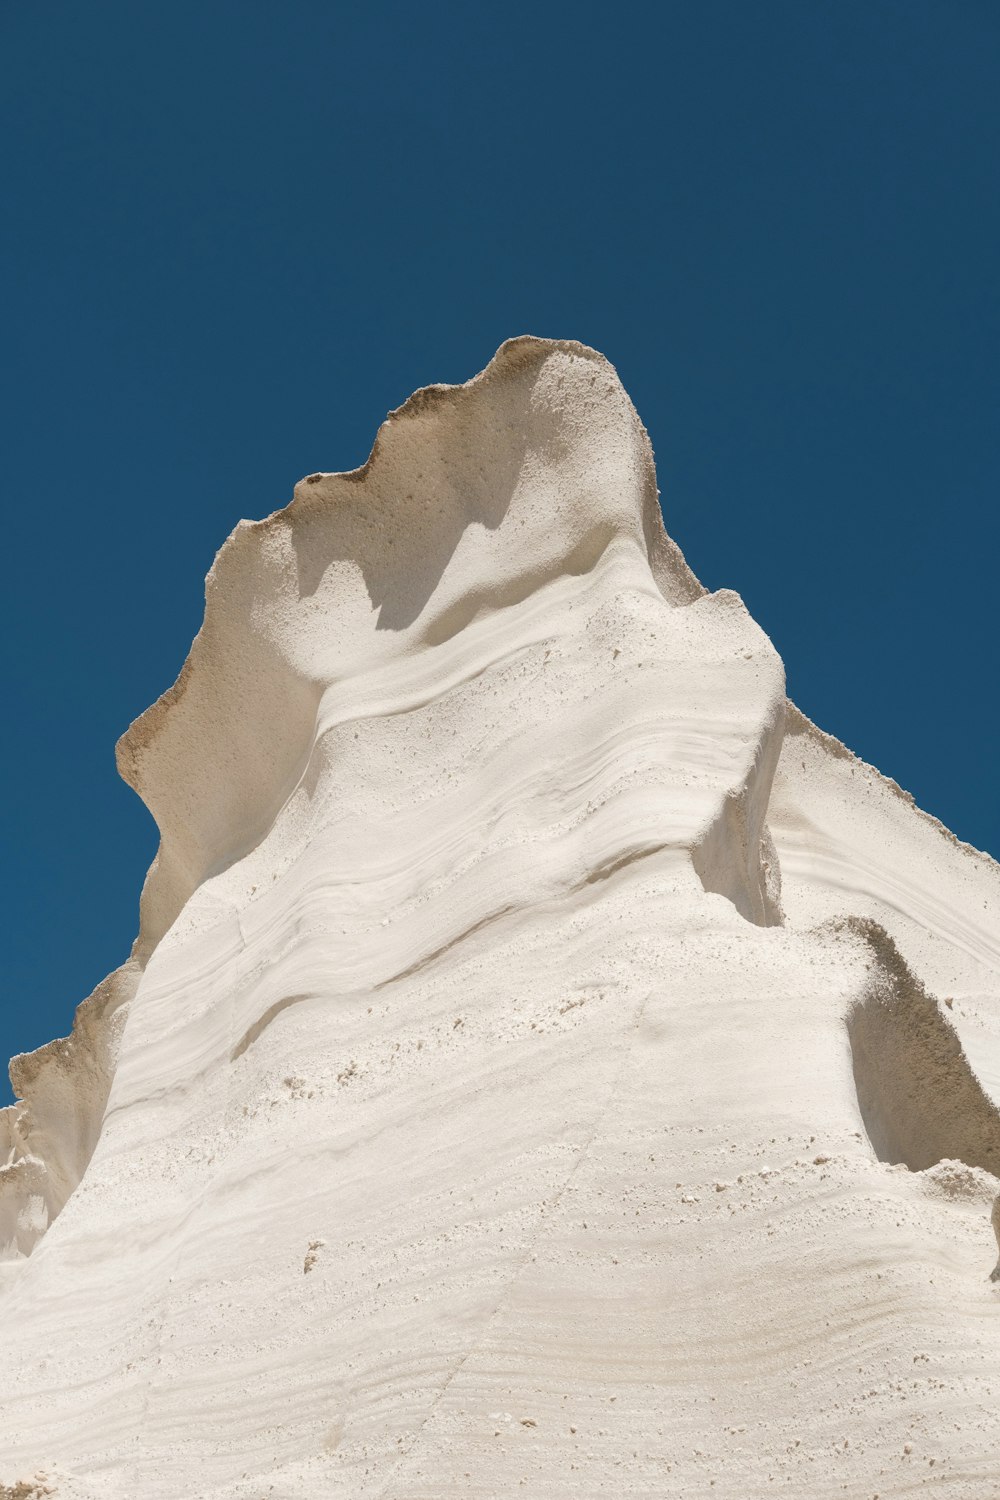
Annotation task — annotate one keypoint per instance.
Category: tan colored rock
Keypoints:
(529, 1078)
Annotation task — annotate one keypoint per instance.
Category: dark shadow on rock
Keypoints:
(920, 1100)
(441, 465)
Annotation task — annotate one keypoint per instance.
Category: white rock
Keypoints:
(463, 737)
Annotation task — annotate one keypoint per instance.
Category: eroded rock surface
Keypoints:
(548, 1064)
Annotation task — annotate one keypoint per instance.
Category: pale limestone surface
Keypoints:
(491, 1104)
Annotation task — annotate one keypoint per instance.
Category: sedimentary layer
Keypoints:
(548, 1064)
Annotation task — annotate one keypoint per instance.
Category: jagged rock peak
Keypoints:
(540, 1039)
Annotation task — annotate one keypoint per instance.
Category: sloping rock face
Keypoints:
(548, 1065)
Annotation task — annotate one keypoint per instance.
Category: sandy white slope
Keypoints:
(477, 1115)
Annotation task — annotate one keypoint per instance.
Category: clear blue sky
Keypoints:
(236, 233)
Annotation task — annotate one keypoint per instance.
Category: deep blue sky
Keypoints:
(236, 233)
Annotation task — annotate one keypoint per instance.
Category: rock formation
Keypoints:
(548, 1065)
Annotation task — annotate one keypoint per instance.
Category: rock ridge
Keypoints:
(540, 1039)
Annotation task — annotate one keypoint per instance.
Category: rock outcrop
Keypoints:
(548, 1064)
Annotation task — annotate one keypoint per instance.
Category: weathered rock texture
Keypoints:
(548, 1065)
